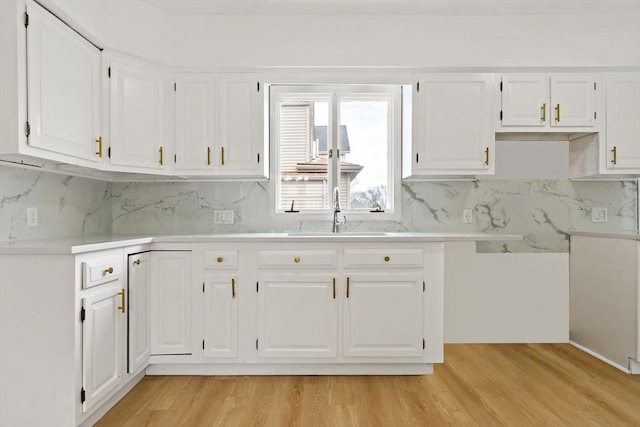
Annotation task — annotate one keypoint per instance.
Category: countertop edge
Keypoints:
(73, 246)
(629, 235)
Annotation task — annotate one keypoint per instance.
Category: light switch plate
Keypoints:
(223, 216)
(599, 214)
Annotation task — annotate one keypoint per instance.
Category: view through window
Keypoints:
(335, 136)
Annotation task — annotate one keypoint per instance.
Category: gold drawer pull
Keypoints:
(233, 288)
(136, 262)
(347, 287)
(544, 112)
(219, 259)
(109, 270)
(557, 112)
(122, 301)
(296, 259)
(222, 155)
(486, 156)
(161, 150)
(334, 288)
(208, 156)
(387, 259)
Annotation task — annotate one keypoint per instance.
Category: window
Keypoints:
(344, 136)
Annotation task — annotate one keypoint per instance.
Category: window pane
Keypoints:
(303, 154)
(364, 148)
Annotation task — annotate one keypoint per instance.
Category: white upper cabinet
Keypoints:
(453, 122)
(615, 150)
(63, 80)
(137, 116)
(240, 145)
(543, 102)
(623, 122)
(195, 122)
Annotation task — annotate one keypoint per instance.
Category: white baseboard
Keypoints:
(633, 363)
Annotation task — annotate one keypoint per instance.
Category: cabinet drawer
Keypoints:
(223, 259)
(101, 270)
(298, 258)
(383, 258)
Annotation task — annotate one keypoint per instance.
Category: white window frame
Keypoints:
(334, 93)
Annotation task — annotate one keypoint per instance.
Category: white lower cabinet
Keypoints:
(220, 315)
(170, 293)
(297, 315)
(139, 311)
(383, 315)
(103, 317)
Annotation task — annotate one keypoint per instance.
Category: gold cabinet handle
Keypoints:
(99, 141)
(208, 156)
(387, 259)
(614, 151)
(136, 262)
(347, 287)
(296, 259)
(222, 155)
(122, 302)
(233, 288)
(543, 117)
(334, 288)
(161, 155)
(219, 259)
(109, 270)
(557, 112)
(486, 156)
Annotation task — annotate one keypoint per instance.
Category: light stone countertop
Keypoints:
(89, 244)
(631, 235)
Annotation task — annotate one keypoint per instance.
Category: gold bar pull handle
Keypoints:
(99, 141)
(347, 287)
(222, 155)
(334, 288)
(122, 302)
(486, 156)
(543, 109)
(614, 151)
(233, 288)
(161, 155)
(208, 156)
(557, 112)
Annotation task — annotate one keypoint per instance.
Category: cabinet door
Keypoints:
(454, 125)
(623, 121)
(63, 78)
(525, 100)
(139, 312)
(137, 116)
(220, 315)
(101, 332)
(240, 146)
(195, 104)
(572, 100)
(170, 302)
(297, 316)
(383, 315)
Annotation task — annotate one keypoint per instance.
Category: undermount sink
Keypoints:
(340, 234)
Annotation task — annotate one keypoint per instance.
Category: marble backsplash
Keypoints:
(543, 211)
(67, 206)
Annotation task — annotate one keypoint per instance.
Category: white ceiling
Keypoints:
(399, 7)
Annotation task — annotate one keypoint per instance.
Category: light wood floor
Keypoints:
(478, 385)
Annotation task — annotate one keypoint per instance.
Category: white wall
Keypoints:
(361, 40)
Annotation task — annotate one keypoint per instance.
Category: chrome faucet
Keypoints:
(336, 210)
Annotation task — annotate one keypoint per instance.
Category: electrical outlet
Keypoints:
(32, 217)
(223, 216)
(467, 216)
(599, 215)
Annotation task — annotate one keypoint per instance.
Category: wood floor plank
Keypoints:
(478, 385)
